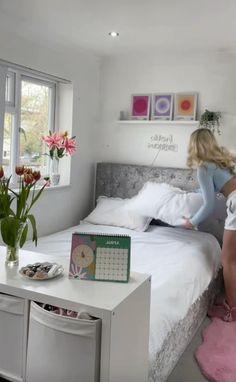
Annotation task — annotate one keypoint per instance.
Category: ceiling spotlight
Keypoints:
(113, 34)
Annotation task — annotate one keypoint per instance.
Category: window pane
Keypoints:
(7, 143)
(35, 112)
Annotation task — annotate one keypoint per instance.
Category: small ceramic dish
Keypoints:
(41, 271)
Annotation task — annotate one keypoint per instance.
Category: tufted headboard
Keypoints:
(125, 181)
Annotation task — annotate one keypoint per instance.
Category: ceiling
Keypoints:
(144, 25)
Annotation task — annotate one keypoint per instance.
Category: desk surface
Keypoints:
(62, 291)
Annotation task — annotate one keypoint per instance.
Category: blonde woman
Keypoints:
(216, 173)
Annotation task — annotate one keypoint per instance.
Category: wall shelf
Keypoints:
(157, 122)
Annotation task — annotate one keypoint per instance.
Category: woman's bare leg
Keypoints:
(229, 266)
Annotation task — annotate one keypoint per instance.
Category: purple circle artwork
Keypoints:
(162, 105)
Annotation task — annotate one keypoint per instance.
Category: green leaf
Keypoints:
(36, 197)
(60, 152)
(24, 235)
(33, 224)
(13, 192)
(10, 229)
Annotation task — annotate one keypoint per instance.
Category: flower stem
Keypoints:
(12, 254)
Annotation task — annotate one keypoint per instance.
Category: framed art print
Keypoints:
(185, 106)
(162, 106)
(140, 106)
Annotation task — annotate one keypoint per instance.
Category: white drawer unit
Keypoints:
(13, 336)
(123, 309)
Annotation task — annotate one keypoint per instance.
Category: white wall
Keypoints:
(212, 76)
(58, 209)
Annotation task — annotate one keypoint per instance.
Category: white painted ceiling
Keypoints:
(144, 25)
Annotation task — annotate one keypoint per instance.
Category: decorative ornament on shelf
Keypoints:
(59, 145)
(14, 223)
(211, 120)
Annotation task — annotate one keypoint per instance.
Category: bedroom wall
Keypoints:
(64, 207)
(211, 75)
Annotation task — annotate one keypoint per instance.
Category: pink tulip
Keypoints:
(28, 178)
(36, 175)
(20, 170)
(53, 140)
(69, 145)
(28, 170)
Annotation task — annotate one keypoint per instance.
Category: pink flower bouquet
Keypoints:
(59, 144)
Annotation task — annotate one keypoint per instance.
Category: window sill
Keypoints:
(47, 188)
(59, 187)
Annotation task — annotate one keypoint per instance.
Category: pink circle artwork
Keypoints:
(140, 105)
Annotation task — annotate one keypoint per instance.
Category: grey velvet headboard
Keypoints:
(125, 181)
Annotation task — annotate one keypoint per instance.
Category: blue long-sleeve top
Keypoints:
(211, 179)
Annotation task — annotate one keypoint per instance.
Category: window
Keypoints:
(29, 114)
(37, 118)
(32, 103)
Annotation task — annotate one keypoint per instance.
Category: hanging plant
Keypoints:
(211, 120)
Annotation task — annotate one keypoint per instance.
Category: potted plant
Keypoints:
(15, 210)
(211, 120)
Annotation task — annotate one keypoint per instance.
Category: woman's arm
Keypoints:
(205, 179)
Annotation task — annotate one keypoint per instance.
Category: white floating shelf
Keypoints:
(158, 122)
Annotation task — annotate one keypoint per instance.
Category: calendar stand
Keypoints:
(101, 257)
(123, 307)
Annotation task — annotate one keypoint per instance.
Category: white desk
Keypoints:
(123, 308)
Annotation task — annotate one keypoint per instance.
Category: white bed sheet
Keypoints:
(182, 264)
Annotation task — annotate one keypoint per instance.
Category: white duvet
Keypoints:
(182, 264)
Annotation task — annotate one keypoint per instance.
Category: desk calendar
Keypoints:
(100, 257)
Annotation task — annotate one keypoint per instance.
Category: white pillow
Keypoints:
(165, 202)
(181, 205)
(113, 211)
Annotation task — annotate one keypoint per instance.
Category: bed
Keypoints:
(184, 264)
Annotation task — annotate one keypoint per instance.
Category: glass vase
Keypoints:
(12, 257)
(54, 172)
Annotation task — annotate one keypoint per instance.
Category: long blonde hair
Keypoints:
(203, 147)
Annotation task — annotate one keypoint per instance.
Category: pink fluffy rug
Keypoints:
(216, 356)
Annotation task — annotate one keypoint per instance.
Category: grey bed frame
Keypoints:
(125, 180)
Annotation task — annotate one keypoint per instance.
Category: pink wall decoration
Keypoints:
(140, 106)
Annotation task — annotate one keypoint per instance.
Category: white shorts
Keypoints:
(230, 221)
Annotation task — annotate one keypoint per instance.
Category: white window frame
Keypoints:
(11, 89)
(13, 106)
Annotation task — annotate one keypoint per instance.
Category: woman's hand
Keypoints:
(187, 224)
